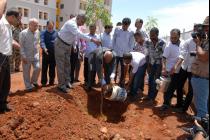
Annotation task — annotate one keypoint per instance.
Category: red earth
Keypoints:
(49, 115)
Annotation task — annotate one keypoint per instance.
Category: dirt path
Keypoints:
(50, 115)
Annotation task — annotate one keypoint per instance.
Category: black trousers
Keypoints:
(171, 89)
(122, 76)
(73, 61)
(184, 75)
(86, 71)
(89, 75)
(5, 79)
(48, 62)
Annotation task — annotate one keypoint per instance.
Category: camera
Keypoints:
(193, 53)
(199, 32)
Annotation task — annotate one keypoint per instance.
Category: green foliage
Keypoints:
(96, 11)
(151, 22)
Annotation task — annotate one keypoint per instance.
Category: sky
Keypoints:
(181, 14)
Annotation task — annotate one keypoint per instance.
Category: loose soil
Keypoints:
(48, 114)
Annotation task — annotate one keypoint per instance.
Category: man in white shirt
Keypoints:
(90, 47)
(187, 54)
(2, 7)
(6, 41)
(67, 38)
(123, 42)
(30, 45)
(170, 58)
(106, 38)
(138, 63)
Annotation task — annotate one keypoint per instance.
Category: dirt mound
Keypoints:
(48, 114)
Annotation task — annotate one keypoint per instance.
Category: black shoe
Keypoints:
(7, 108)
(36, 85)
(63, 89)
(51, 84)
(164, 107)
(30, 90)
(134, 98)
(44, 85)
(87, 88)
(76, 81)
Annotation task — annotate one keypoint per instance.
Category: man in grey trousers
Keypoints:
(30, 44)
(67, 37)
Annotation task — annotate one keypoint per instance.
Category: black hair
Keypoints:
(119, 24)
(176, 31)
(126, 21)
(83, 16)
(138, 34)
(155, 30)
(50, 21)
(127, 56)
(92, 25)
(13, 12)
(108, 26)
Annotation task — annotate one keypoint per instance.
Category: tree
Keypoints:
(96, 11)
(151, 22)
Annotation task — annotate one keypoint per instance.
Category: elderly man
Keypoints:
(102, 61)
(67, 38)
(2, 7)
(6, 41)
(137, 61)
(90, 47)
(30, 44)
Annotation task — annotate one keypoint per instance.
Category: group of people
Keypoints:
(126, 52)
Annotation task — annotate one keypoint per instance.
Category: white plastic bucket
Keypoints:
(163, 83)
(118, 94)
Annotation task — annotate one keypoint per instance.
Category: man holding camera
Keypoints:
(200, 71)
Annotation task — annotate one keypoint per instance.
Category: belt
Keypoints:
(64, 42)
(196, 76)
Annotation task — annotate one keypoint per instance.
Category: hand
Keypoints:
(164, 72)
(97, 42)
(148, 69)
(46, 51)
(24, 60)
(198, 41)
(173, 70)
(75, 49)
(15, 44)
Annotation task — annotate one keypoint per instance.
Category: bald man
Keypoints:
(102, 61)
(30, 44)
(2, 7)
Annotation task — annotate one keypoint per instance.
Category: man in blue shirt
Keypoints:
(48, 55)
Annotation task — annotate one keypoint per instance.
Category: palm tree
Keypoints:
(151, 22)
